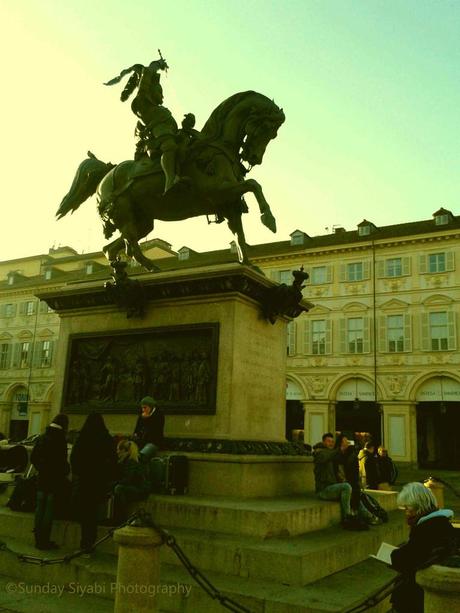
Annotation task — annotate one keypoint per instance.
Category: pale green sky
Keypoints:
(370, 90)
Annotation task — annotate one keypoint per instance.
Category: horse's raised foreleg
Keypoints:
(250, 186)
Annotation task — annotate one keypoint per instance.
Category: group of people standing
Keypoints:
(99, 468)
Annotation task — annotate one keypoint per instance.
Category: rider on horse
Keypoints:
(157, 129)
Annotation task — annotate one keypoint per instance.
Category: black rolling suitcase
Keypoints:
(169, 475)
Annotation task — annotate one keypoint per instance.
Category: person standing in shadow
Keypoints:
(49, 457)
(94, 465)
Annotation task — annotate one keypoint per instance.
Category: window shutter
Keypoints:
(34, 307)
(422, 264)
(343, 272)
(307, 336)
(23, 308)
(329, 271)
(275, 275)
(43, 307)
(291, 332)
(17, 354)
(36, 348)
(451, 330)
(50, 361)
(380, 269)
(8, 355)
(407, 332)
(425, 329)
(328, 348)
(450, 260)
(405, 266)
(366, 270)
(382, 332)
(343, 335)
(366, 335)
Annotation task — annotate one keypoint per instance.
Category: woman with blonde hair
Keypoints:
(432, 536)
(131, 485)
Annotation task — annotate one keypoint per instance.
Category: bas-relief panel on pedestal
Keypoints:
(111, 372)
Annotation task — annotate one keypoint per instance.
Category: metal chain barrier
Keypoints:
(169, 540)
(141, 518)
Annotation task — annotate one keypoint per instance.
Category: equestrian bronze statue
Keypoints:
(178, 173)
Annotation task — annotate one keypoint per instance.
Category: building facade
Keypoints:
(378, 353)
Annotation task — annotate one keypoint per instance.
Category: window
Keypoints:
(394, 267)
(44, 356)
(364, 230)
(298, 238)
(24, 354)
(285, 276)
(21, 402)
(30, 307)
(10, 279)
(48, 273)
(89, 269)
(10, 310)
(4, 355)
(395, 333)
(441, 220)
(318, 337)
(437, 262)
(439, 331)
(319, 274)
(355, 271)
(355, 335)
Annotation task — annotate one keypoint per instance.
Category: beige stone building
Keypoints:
(29, 330)
(378, 352)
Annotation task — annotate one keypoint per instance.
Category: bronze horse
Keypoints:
(130, 195)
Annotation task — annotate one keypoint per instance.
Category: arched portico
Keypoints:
(437, 398)
(356, 409)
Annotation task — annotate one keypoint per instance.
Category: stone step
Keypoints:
(19, 526)
(290, 560)
(177, 592)
(22, 597)
(262, 517)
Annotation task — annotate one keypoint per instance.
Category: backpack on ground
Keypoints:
(373, 506)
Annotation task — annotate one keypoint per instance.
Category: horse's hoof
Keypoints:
(269, 221)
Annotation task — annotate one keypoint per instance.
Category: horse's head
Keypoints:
(248, 121)
(260, 128)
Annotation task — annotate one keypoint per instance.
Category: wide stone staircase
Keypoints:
(283, 555)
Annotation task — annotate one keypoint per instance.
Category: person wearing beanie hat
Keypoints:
(150, 425)
(49, 456)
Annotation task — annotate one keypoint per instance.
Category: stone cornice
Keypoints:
(177, 285)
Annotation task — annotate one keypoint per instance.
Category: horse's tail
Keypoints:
(89, 174)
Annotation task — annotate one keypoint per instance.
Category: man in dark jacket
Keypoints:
(49, 456)
(327, 486)
(150, 425)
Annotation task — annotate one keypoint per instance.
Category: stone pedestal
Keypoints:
(251, 368)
